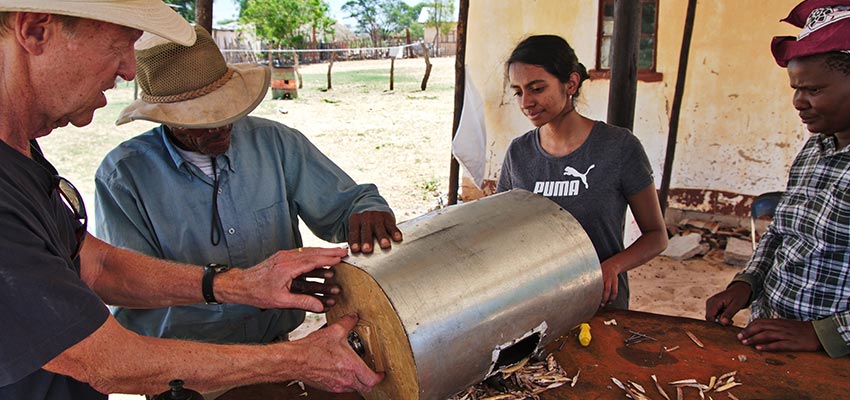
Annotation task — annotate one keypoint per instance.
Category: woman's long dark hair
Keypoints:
(553, 54)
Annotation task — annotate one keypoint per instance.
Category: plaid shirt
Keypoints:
(801, 268)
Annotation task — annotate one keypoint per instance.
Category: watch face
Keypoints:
(218, 268)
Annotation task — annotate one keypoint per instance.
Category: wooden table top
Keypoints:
(763, 375)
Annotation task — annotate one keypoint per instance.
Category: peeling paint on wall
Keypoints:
(711, 201)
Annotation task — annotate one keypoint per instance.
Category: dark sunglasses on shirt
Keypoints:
(71, 196)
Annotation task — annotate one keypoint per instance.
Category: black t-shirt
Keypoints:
(46, 307)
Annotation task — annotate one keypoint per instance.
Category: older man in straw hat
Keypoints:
(243, 183)
(798, 279)
(59, 341)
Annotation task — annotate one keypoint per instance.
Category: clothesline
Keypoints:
(354, 50)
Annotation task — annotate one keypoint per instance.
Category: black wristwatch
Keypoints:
(210, 271)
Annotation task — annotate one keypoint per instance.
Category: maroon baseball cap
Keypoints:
(826, 28)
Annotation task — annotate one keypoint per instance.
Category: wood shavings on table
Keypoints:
(525, 382)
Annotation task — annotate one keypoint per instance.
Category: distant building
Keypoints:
(446, 44)
(238, 44)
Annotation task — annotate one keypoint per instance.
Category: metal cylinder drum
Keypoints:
(472, 289)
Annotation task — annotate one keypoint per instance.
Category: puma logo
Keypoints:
(570, 171)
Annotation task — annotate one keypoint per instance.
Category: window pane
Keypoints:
(608, 9)
(605, 53)
(608, 27)
(647, 22)
(648, 26)
(645, 53)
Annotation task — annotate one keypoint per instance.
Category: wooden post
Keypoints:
(298, 72)
(315, 55)
(673, 132)
(460, 86)
(408, 50)
(330, 65)
(203, 14)
(427, 66)
(622, 91)
(392, 71)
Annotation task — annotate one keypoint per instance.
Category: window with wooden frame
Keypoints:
(647, 44)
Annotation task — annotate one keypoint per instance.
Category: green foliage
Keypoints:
(441, 12)
(186, 8)
(400, 17)
(287, 23)
(381, 19)
(429, 188)
(417, 31)
(366, 13)
(317, 17)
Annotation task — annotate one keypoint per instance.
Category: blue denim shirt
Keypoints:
(150, 200)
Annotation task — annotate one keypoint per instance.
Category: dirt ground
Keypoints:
(399, 140)
(680, 288)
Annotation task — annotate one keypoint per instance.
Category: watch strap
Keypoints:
(210, 271)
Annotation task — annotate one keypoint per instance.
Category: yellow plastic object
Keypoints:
(584, 334)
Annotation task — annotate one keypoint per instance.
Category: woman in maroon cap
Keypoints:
(798, 280)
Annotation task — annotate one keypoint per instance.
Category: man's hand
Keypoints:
(780, 335)
(724, 305)
(317, 288)
(329, 362)
(365, 227)
(280, 280)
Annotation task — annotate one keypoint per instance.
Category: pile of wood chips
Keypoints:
(525, 380)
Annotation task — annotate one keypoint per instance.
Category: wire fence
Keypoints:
(324, 54)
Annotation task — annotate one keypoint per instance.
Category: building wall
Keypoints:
(738, 132)
(448, 42)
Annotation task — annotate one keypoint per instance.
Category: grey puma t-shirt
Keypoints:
(592, 183)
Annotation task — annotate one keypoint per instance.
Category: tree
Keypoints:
(439, 17)
(367, 15)
(287, 22)
(203, 14)
(401, 17)
(316, 16)
(382, 18)
(186, 8)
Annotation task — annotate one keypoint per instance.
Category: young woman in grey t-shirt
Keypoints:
(591, 169)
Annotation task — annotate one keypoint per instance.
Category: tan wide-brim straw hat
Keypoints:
(193, 87)
(152, 16)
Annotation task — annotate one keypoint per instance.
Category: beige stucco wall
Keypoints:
(738, 131)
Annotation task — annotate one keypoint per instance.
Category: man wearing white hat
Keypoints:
(59, 341)
(242, 183)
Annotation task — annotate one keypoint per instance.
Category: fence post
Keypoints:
(392, 71)
(427, 66)
(330, 65)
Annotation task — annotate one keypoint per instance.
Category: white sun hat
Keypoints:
(151, 16)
